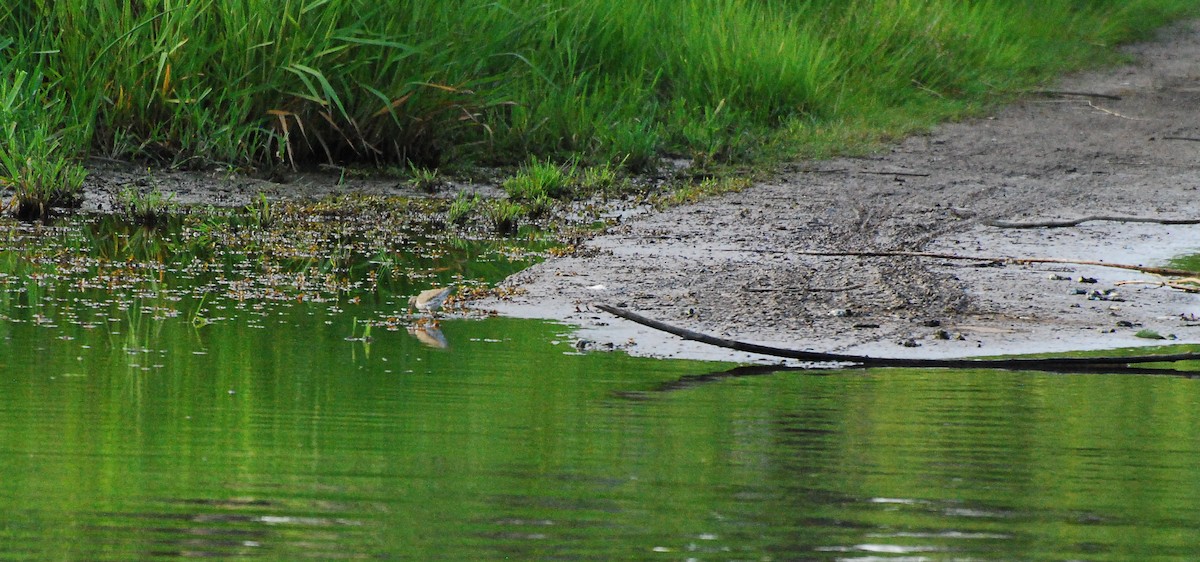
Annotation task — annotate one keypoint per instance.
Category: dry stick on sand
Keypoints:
(1189, 285)
(1113, 113)
(1022, 261)
(1074, 364)
(1079, 221)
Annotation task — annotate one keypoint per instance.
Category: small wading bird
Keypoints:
(429, 301)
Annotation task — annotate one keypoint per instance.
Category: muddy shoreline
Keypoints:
(727, 266)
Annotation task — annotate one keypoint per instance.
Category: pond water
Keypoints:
(149, 419)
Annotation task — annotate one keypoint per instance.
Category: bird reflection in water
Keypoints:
(429, 334)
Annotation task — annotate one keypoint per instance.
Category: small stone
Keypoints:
(840, 313)
(909, 343)
(1124, 324)
(932, 323)
(941, 335)
(1088, 280)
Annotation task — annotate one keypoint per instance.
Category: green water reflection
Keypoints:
(128, 431)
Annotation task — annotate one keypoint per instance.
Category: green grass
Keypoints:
(152, 209)
(425, 179)
(462, 207)
(426, 83)
(503, 215)
(37, 149)
(539, 179)
(705, 188)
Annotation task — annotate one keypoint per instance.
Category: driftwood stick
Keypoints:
(1047, 364)
(1023, 261)
(1147, 269)
(1079, 221)
(1194, 139)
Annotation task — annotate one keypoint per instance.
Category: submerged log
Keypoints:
(1058, 364)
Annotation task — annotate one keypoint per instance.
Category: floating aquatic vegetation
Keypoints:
(208, 265)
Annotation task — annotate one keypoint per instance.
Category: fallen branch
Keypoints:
(1022, 261)
(1194, 139)
(1074, 364)
(1077, 222)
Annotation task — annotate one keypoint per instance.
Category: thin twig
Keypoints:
(1077, 222)
(816, 171)
(1081, 94)
(1021, 261)
(1114, 113)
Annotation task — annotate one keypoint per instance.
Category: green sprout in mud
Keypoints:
(261, 212)
(504, 215)
(539, 207)
(539, 179)
(424, 179)
(152, 209)
(462, 208)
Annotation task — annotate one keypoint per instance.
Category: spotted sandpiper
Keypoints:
(429, 301)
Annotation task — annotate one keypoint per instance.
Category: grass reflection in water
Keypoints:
(132, 430)
(216, 260)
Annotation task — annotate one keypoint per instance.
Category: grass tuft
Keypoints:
(538, 179)
(462, 208)
(503, 215)
(37, 155)
(152, 209)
